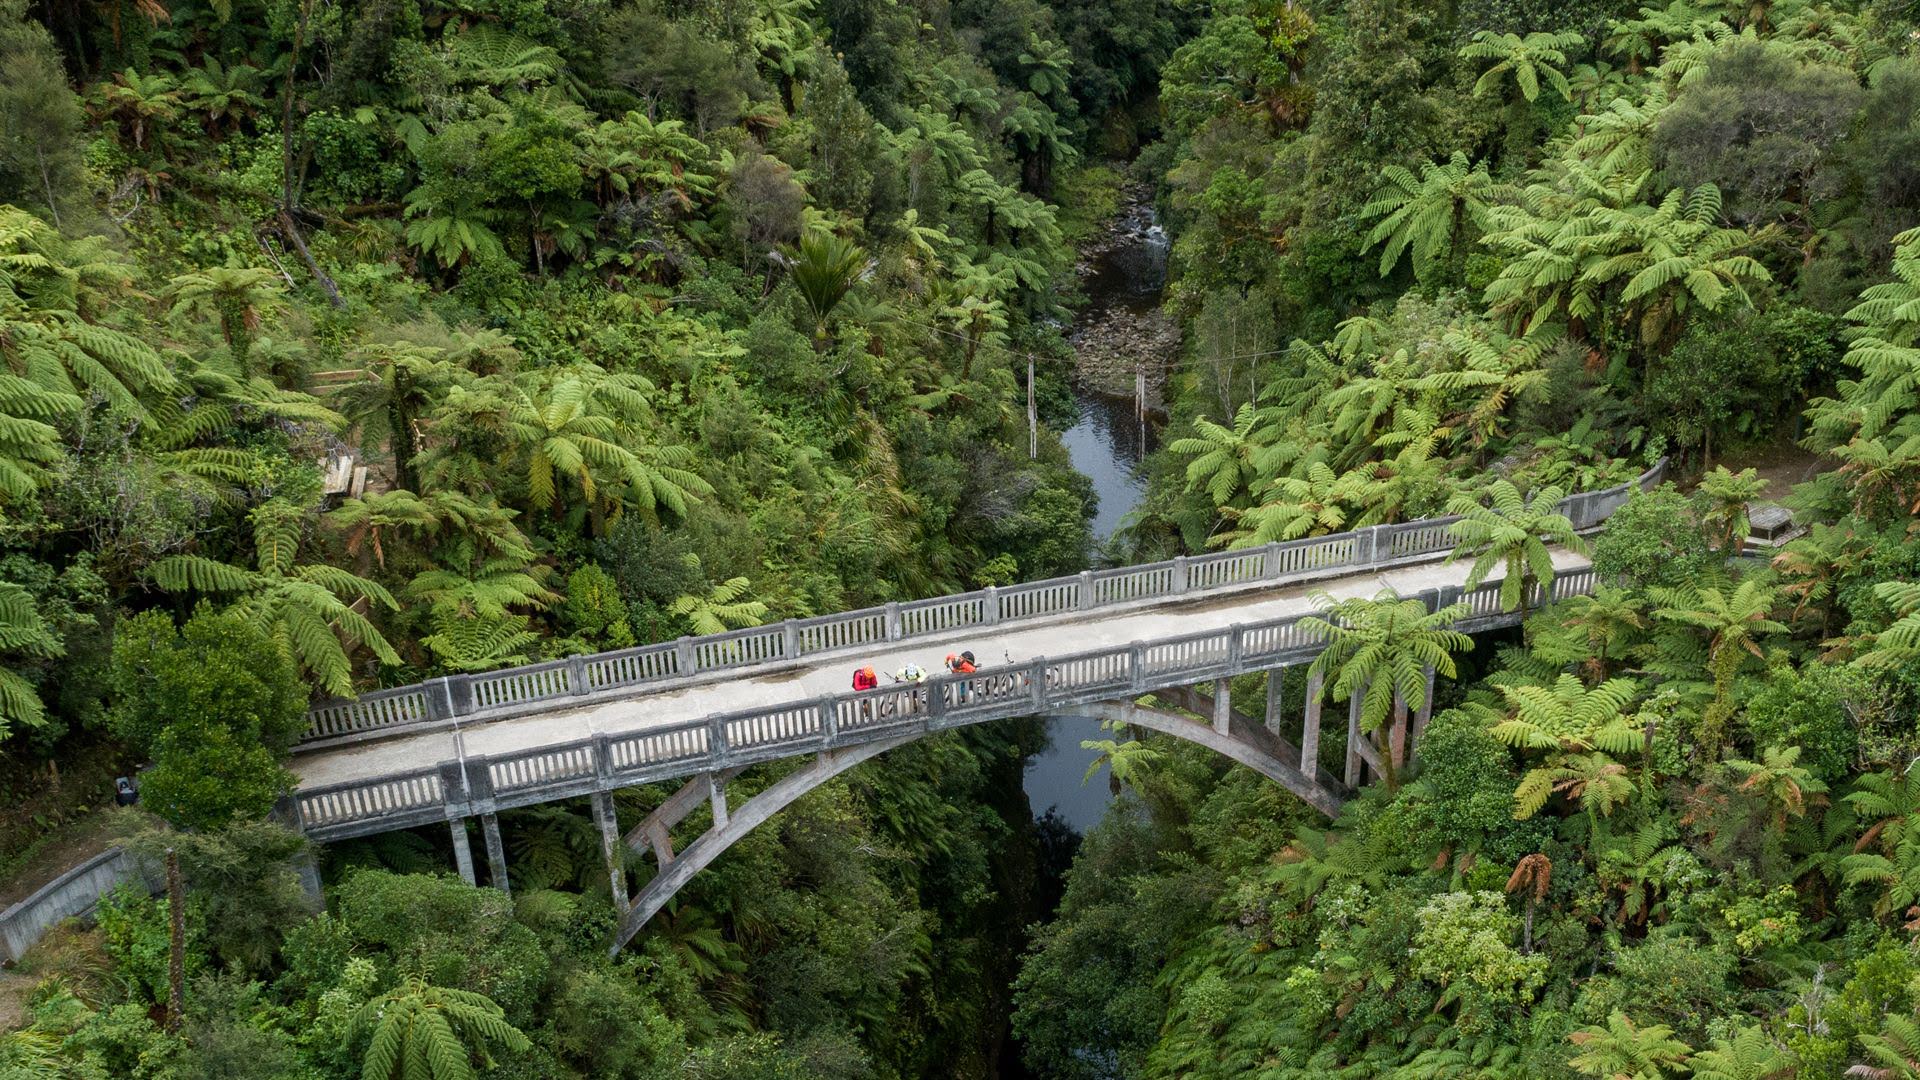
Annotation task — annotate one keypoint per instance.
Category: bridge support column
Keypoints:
(310, 880)
(496, 852)
(717, 798)
(1310, 725)
(1353, 770)
(462, 849)
(1276, 701)
(1223, 706)
(611, 848)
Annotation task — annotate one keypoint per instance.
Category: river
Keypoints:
(1120, 327)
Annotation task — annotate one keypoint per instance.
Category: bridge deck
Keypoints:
(809, 679)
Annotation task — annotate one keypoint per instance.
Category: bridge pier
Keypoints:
(717, 799)
(496, 852)
(1223, 706)
(1276, 702)
(462, 849)
(1310, 724)
(611, 848)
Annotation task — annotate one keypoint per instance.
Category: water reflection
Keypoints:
(1108, 444)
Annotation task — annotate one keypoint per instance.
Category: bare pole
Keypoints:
(176, 944)
(1033, 415)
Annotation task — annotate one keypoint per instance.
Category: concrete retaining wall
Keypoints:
(73, 893)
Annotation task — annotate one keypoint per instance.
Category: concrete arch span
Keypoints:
(1242, 741)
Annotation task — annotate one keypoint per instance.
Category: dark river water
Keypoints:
(1108, 445)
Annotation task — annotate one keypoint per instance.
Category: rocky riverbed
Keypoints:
(1122, 330)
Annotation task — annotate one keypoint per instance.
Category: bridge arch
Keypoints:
(1240, 743)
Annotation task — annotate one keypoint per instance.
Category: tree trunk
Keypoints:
(176, 944)
(46, 181)
(1397, 740)
(400, 421)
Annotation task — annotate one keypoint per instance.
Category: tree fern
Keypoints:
(418, 1031)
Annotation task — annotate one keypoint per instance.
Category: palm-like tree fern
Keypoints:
(23, 633)
(47, 335)
(721, 608)
(1525, 60)
(1383, 648)
(1735, 624)
(1751, 1054)
(1570, 716)
(1781, 780)
(418, 1031)
(1510, 531)
(312, 609)
(1430, 214)
(1623, 1050)
(1228, 462)
(234, 295)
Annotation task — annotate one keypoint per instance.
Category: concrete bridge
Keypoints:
(703, 709)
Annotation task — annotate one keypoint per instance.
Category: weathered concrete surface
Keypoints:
(72, 894)
(658, 706)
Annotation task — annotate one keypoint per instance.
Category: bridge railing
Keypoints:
(541, 685)
(482, 784)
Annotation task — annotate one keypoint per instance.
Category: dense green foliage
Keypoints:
(655, 317)
(1468, 257)
(615, 322)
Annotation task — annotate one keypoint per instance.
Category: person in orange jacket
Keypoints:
(961, 664)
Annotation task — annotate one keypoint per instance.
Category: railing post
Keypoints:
(893, 621)
(1236, 647)
(1086, 590)
(439, 700)
(789, 639)
(683, 656)
(717, 741)
(577, 674)
(460, 694)
(1137, 668)
(1037, 678)
(454, 791)
(1271, 567)
(1179, 574)
(991, 605)
(1369, 540)
(937, 700)
(829, 721)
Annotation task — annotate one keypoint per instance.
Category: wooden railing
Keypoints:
(556, 683)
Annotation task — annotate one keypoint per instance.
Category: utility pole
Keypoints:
(176, 944)
(1033, 415)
